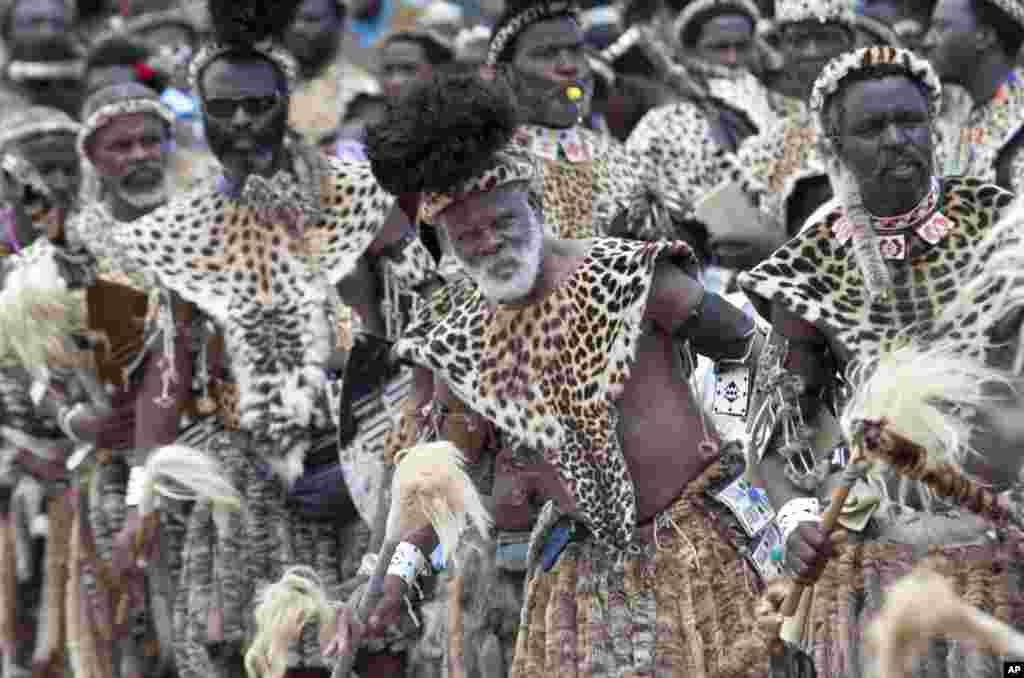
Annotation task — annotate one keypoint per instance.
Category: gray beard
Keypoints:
(144, 199)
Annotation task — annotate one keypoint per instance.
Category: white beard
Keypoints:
(509, 288)
(145, 199)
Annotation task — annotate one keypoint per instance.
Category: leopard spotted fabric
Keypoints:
(548, 375)
(678, 143)
(588, 178)
(818, 279)
(776, 160)
(263, 284)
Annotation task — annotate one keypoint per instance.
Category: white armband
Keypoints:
(408, 563)
(796, 511)
(136, 478)
(64, 419)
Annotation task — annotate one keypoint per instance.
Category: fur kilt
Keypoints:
(985, 571)
(684, 608)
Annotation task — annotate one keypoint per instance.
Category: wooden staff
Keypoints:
(853, 472)
(910, 459)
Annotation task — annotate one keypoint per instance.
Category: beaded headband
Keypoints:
(832, 76)
(511, 165)
(529, 16)
(276, 55)
(22, 128)
(696, 9)
(103, 115)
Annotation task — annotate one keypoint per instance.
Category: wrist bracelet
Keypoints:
(794, 512)
(136, 479)
(408, 563)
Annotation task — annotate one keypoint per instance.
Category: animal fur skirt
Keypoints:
(683, 608)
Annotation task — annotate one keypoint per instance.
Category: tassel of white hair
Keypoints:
(866, 251)
(283, 610)
(431, 486)
(922, 606)
(186, 474)
(925, 394)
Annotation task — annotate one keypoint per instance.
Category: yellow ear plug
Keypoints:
(574, 93)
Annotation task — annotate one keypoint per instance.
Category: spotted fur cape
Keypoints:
(816, 278)
(264, 285)
(548, 375)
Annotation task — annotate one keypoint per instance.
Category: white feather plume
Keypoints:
(431, 485)
(927, 395)
(187, 474)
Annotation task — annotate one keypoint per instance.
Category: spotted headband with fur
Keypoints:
(547, 9)
(33, 122)
(511, 165)
(831, 79)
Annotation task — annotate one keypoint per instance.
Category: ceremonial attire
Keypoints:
(611, 604)
(937, 250)
(268, 288)
(987, 146)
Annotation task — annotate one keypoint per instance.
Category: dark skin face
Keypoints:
(885, 141)
(728, 40)
(402, 64)
(245, 111)
(315, 35)
(951, 42)
(131, 155)
(549, 58)
(807, 46)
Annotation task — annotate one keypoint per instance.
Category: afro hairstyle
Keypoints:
(249, 22)
(441, 134)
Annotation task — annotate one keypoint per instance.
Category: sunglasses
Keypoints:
(225, 108)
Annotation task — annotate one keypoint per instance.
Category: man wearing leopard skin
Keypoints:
(572, 348)
(266, 253)
(876, 270)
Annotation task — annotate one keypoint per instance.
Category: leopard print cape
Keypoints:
(588, 178)
(987, 132)
(548, 375)
(818, 279)
(263, 285)
(775, 161)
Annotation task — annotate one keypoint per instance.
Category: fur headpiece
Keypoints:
(32, 122)
(822, 11)
(700, 8)
(831, 79)
(448, 138)
(248, 27)
(113, 102)
(520, 15)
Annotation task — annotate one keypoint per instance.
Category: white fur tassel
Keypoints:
(197, 473)
(922, 606)
(283, 609)
(431, 484)
(925, 395)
